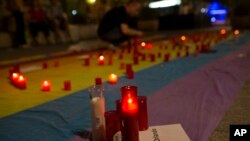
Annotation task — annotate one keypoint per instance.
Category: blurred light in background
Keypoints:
(203, 10)
(164, 3)
(90, 1)
(74, 12)
(217, 13)
(213, 19)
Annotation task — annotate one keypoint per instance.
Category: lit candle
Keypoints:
(21, 82)
(143, 44)
(149, 46)
(101, 60)
(236, 32)
(113, 78)
(183, 38)
(67, 85)
(14, 78)
(46, 86)
(130, 113)
(223, 31)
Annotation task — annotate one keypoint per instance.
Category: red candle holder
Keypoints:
(45, 65)
(101, 60)
(16, 68)
(128, 68)
(98, 81)
(121, 56)
(21, 82)
(167, 57)
(142, 113)
(46, 86)
(187, 53)
(67, 85)
(122, 66)
(152, 57)
(56, 64)
(86, 62)
(119, 111)
(130, 113)
(113, 126)
(130, 74)
(136, 60)
(143, 57)
(159, 55)
(110, 61)
(14, 78)
(178, 54)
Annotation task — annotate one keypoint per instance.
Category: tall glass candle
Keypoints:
(113, 126)
(130, 113)
(97, 105)
(22, 82)
(142, 113)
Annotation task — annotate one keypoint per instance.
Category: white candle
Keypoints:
(97, 104)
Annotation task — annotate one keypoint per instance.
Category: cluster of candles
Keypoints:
(18, 80)
(46, 85)
(122, 124)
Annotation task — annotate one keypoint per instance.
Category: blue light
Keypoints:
(74, 12)
(217, 12)
(213, 19)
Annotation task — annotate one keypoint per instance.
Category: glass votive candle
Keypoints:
(113, 126)
(142, 113)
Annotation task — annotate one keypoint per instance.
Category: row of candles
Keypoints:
(122, 124)
(20, 81)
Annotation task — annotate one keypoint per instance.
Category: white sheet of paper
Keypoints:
(173, 132)
(31, 68)
(82, 57)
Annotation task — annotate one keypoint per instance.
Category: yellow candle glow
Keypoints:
(113, 78)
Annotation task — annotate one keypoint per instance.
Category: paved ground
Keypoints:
(237, 114)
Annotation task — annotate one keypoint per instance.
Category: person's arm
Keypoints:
(129, 31)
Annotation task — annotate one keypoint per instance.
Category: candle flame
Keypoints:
(236, 32)
(223, 31)
(143, 44)
(46, 83)
(15, 75)
(130, 100)
(183, 38)
(101, 57)
(21, 78)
